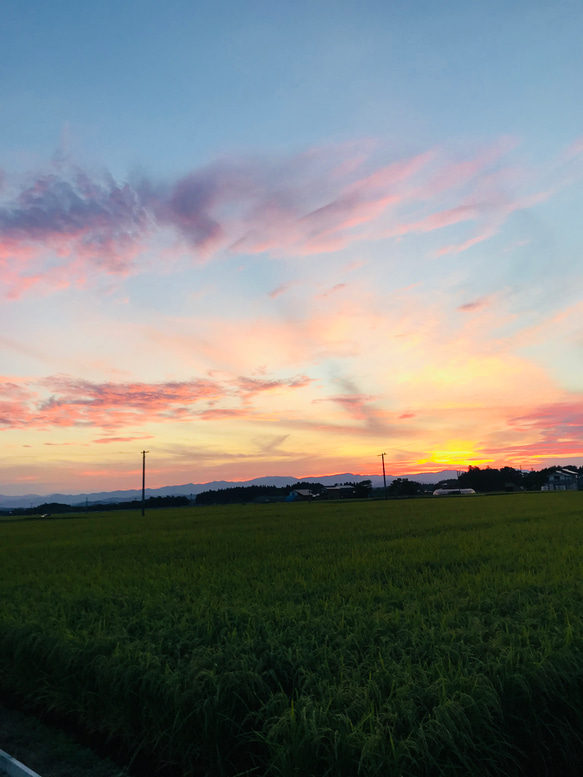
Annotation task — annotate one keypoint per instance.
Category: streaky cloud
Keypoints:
(64, 401)
(66, 224)
(281, 289)
(475, 304)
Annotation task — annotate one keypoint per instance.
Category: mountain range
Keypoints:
(192, 489)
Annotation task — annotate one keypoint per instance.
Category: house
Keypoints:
(564, 479)
(338, 492)
(300, 495)
(453, 491)
(511, 487)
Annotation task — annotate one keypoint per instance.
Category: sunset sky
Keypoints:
(280, 238)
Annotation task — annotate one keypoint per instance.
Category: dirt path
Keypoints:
(49, 751)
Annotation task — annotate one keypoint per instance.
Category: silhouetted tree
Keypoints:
(404, 487)
(490, 479)
(362, 489)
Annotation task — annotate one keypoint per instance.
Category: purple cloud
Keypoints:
(97, 218)
(476, 304)
(314, 202)
(68, 401)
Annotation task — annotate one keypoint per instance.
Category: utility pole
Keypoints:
(382, 455)
(144, 481)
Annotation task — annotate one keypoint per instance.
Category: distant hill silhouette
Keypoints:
(105, 497)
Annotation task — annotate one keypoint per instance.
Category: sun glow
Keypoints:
(456, 454)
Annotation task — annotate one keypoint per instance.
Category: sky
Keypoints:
(282, 238)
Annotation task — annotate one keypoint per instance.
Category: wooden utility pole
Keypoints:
(382, 455)
(144, 481)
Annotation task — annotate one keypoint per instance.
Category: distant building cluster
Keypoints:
(564, 479)
(453, 491)
(328, 492)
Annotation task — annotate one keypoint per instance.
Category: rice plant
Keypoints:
(412, 638)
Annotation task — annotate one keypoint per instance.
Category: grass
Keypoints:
(410, 638)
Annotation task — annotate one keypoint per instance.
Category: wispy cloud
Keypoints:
(279, 290)
(97, 216)
(476, 304)
(357, 405)
(248, 387)
(561, 420)
(335, 288)
(106, 440)
(63, 401)
(75, 218)
(61, 226)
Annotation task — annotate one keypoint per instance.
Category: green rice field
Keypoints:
(406, 638)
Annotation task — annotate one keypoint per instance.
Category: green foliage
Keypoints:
(57, 508)
(245, 494)
(404, 487)
(491, 479)
(236, 495)
(412, 638)
(362, 488)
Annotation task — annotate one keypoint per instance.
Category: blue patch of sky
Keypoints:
(170, 85)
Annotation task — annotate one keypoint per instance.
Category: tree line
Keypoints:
(490, 479)
(57, 508)
(244, 494)
(486, 480)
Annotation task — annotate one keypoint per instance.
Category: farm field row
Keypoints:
(432, 637)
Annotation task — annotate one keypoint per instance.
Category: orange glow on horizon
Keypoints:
(453, 453)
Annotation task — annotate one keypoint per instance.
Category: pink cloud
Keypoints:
(561, 419)
(460, 173)
(15, 399)
(458, 248)
(441, 219)
(75, 402)
(66, 226)
(337, 287)
(575, 149)
(250, 386)
(377, 183)
(281, 289)
(476, 304)
(61, 444)
(357, 405)
(541, 436)
(105, 440)
(331, 226)
(493, 212)
(535, 454)
(216, 414)
(73, 217)
(14, 390)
